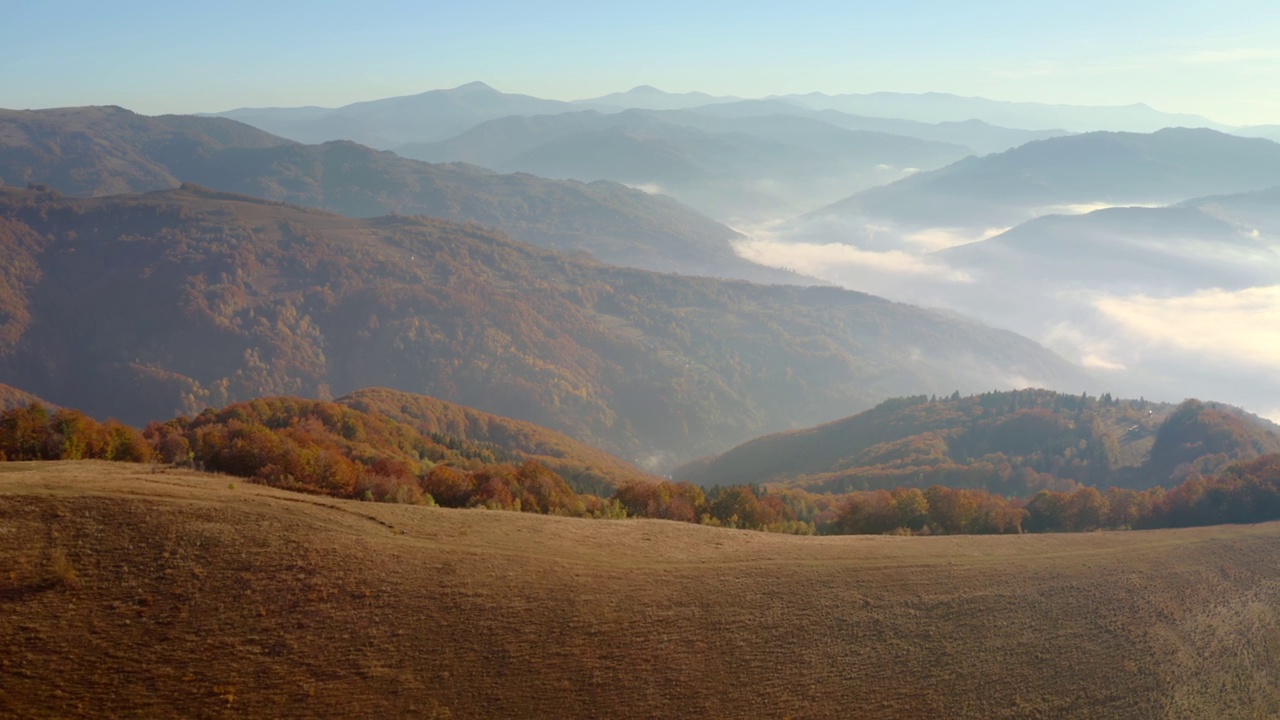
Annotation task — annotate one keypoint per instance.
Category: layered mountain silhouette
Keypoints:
(981, 137)
(1223, 242)
(1103, 168)
(1253, 211)
(386, 123)
(1168, 301)
(944, 107)
(143, 306)
(438, 114)
(1270, 132)
(1164, 250)
(647, 97)
(756, 167)
(103, 150)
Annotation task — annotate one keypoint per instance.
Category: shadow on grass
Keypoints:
(22, 592)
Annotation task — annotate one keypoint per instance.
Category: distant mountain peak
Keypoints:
(476, 86)
(649, 97)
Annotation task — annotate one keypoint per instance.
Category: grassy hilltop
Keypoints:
(127, 592)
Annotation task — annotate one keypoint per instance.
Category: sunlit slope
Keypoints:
(107, 150)
(142, 307)
(992, 440)
(128, 593)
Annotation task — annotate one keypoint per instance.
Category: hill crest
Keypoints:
(1014, 443)
(206, 598)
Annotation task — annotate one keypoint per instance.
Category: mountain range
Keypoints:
(1086, 282)
(944, 107)
(1219, 242)
(438, 114)
(1057, 174)
(745, 172)
(104, 150)
(1165, 301)
(143, 306)
(753, 167)
(647, 97)
(1168, 250)
(387, 122)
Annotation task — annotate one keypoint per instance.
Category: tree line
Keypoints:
(326, 448)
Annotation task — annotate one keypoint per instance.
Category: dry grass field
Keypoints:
(131, 593)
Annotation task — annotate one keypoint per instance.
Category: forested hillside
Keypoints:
(586, 468)
(1011, 443)
(12, 397)
(106, 150)
(326, 448)
(142, 307)
(310, 446)
(334, 449)
(1007, 188)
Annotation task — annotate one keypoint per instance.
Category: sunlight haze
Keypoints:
(514, 359)
(1219, 60)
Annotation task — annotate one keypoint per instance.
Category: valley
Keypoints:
(857, 362)
(146, 306)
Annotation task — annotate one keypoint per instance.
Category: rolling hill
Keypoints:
(1012, 442)
(1164, 250)
(106, 150)
(1167, 301)
(142, 307)
(585, 467)
(140, 594)
(1100, 168)
(1252, 211)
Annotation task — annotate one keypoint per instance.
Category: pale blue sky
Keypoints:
(1220, 59)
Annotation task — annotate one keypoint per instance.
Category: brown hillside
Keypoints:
(130, 593)
(108, 150)
(1014, 442)
(12, 397)
(97, 151)
(143, 307)
(583, 465)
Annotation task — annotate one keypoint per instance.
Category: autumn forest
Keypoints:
(1213, 470)
(772, 393)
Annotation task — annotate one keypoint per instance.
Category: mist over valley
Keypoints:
(562, 360)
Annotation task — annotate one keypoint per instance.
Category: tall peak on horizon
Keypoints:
(476, 86)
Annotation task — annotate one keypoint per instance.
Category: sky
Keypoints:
(1220, 59)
